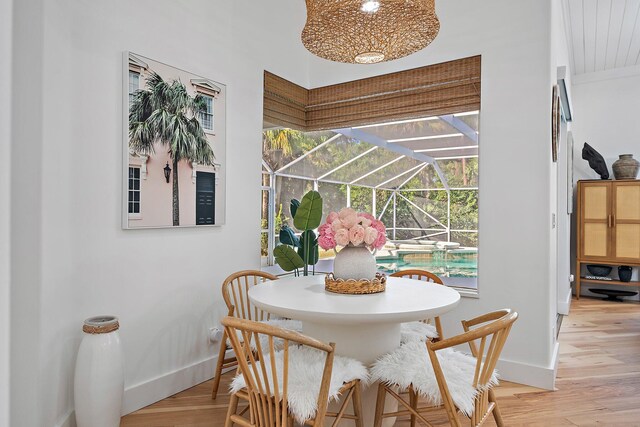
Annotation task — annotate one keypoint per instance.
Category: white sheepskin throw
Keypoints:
(278, 343)
(305, 374)
(417, 331)
(410, 364)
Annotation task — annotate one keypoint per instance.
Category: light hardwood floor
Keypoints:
(598, 380)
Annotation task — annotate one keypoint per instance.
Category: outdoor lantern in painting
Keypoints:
(167, 172)
(369, 31)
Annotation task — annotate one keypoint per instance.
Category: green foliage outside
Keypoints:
(282, 146)
(281, 219)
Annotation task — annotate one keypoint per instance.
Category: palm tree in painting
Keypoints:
(165, 113)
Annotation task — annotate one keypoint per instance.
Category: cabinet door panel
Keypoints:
(596, 239)
(596, 203)
(595, 211)
(627, 202)
(628, 241)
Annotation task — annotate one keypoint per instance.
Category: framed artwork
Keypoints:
(555, 123)
(174, 146)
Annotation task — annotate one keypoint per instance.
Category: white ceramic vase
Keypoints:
(99, 377)
(354, 262)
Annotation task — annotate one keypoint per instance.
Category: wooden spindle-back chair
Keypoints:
(491, 330)
(425, 276)
(235, 292)
(479, 329)
(267, 391)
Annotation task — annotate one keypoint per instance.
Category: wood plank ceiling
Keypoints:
(603, 34)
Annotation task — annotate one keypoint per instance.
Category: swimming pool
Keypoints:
(441, 267)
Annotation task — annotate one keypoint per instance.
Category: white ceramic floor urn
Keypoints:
(99, 377)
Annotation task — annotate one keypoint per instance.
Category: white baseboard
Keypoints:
(563, 306)
(148, 392)
(555, 360)
(68, 420)
(535, 376)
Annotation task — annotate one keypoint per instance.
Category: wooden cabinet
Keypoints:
(608, 225)
(626, 221)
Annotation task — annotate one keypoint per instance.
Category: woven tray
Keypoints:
(355, 287)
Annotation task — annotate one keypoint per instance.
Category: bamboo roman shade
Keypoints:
(284, 102)
(435, 90)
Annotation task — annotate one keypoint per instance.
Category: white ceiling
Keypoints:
(603, 34)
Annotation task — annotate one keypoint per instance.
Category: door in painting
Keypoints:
(205, 198)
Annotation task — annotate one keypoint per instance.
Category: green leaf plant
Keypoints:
(307, 215)
(287, 258)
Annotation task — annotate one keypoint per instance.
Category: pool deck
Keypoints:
(325, 266)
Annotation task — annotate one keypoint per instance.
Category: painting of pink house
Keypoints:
(174, 146)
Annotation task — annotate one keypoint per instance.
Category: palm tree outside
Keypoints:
(165, 113)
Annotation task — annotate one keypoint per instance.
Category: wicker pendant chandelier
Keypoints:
(369, 31)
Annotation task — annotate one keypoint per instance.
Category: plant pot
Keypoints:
(626, 167)
(624, 273)
(99, 376)
(354, 262)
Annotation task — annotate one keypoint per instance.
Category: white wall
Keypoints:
(606, 112)
(26, 213)
(561, 58)
(606, 117)
(6, 11)
(73, 260)
(515, 162)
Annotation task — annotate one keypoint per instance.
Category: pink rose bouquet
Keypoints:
(350, 227)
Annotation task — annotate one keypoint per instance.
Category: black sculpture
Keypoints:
(596, 161)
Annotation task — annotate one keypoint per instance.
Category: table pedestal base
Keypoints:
(365, 342)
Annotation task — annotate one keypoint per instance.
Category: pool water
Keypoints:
(440, 267)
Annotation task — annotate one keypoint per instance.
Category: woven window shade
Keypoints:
(435, 90)
(284, 102)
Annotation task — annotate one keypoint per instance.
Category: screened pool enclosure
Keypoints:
(419, 176)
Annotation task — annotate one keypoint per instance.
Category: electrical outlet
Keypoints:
(215, 335)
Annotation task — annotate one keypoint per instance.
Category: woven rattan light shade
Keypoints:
(344, 31)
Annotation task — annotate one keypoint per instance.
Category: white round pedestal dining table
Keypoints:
(363, 327)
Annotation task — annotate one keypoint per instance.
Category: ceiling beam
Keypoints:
(266, 166)
(419, 167)
(411, 177)
(461, 126)
(396, 148)
(313, 150)
(353, 159)
(377, 169)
